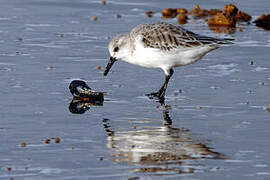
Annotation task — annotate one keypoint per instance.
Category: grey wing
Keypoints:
(166, 37)
(196, 39)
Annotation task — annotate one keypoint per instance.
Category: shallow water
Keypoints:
(216, 128)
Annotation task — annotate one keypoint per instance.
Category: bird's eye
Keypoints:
(116, 49)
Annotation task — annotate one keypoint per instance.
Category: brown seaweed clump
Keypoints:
(197, 12)
(181, 11)
(213, 12)
(243, 16)
(230, 10)
(229, 17)
(221, 19)
(225, 18)
(182, 19)
(172, 13)
(169, 13)
(263, 21)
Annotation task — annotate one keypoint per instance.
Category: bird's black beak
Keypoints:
(109, 65)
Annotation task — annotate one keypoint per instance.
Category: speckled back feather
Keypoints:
(166, 37)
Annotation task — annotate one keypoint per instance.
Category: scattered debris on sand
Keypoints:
(268, 108)
(95, 18)
(47, 141)
(149, 13)
(23, 144)
(57, 140)
(220, 21)
(103, 2)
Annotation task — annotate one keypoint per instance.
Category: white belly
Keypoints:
(154, 58)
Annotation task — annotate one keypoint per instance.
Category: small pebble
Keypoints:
(103, 2)
(50, 68)
(98, 67)
(241, 29)
(47, 141)
(149, 13)
(23, 144)
(118, 16)
(57, 140)
(61, 35)
(95, 18)
(9, 169)
(101, 158)
(268, 108)
(20, 39)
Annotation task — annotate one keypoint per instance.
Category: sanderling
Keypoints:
(161, 45)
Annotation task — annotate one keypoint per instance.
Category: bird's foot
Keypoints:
(156, 95)
(153, 95)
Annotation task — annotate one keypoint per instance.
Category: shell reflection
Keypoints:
(159, 150)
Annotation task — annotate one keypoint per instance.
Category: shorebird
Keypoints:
(161, 45)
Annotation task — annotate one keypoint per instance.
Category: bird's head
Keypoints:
(118, 49)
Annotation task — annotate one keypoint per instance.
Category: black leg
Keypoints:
(161, 93)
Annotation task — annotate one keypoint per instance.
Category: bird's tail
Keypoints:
(214, 41)
(225, 41)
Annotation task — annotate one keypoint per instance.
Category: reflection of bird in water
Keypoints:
(159, 149)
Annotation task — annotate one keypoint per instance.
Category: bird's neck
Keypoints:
(126, 52)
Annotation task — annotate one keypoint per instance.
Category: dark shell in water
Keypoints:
(80, 89)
